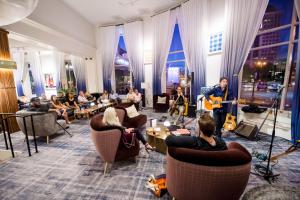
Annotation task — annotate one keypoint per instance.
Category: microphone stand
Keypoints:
(268, 175)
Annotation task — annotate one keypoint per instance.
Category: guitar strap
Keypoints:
(226, 94)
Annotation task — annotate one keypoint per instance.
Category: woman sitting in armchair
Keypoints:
(206, 139)
(110, 118)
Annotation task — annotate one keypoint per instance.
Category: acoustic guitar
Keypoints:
(217, 102)
(230, 122)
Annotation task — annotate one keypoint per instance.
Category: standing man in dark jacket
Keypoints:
(225, 93)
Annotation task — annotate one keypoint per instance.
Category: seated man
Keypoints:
(36, 106)
(131, 95)
(177, 104)
(82, 98)
(204, 141)
(114, 97)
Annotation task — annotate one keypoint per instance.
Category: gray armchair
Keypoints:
(45, 124)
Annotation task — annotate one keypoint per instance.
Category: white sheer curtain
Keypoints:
(192, 23)
(243, 19)
(19, 74)
(36, 69)
(161, 45)
(61, 76)
(107, 46)
(134, 41)
(79, 70)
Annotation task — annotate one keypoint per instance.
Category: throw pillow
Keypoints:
(161, 100)
(132, 112)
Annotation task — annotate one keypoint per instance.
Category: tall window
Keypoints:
(268, 65)
(71, 79)
(176, 70)
(31, 79)
(122, 70)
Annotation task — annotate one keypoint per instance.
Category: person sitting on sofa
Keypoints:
(59, 108)
(110, 118)
(82, 98)
(36, 106)
(70, 101)
(204, 141)
(138, 99)
(104, 97)
(114, 97)
(131, 95)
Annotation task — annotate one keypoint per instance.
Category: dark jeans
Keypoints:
(220, 118)
(139, 136)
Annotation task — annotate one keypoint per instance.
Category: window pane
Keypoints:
(272, 38)
(262, 74)
(122, 70)
(291, 85)
(278, 13)
(176, 56)
(176, 44)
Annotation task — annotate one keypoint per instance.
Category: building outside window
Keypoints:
(268, 66)
(176, 70)
(123, 73)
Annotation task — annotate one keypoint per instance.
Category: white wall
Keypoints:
(216, 24)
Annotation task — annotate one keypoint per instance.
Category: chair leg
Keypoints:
(47, 139)
(105, 167)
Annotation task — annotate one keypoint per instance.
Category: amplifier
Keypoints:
(246, 130)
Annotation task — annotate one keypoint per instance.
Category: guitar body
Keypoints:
(217, 103)
(230, 123)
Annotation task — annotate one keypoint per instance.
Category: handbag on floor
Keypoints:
(157, 185)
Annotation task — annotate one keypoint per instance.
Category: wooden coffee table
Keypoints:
(157, 138)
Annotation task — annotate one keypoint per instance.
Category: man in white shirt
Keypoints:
(131, 95)
(138, 99)
(82, 98)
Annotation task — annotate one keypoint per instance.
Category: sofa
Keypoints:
(197, 174)
(135, 122)
(45, 124)
(161, 107)
(108, 143)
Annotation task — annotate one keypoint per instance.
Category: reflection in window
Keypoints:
(31, 79)
(265, 68)
(71, 79)
(122, 70)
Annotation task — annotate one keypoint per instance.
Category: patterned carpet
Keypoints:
(69, 168)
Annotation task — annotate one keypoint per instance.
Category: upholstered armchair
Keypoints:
(197, 174)
(135, 122)
(161, 106)
(45, 124)
(108, 142)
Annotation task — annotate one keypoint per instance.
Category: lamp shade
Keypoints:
(12, 11)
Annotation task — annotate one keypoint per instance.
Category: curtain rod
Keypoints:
(171, 8)
(119, 24)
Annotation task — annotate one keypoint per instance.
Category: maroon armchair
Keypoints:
(108, 142)
(158, 107)
(197, 174)
(135, 122)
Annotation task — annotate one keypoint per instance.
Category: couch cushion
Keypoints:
(161, 100)
(233, 156)
(132, 112)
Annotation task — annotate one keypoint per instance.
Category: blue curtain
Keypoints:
(296, 96)
(18, 57)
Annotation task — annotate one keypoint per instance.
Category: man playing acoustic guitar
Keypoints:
(177, 104)
(219, 114)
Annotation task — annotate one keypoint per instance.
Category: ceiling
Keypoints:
(103, 12)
